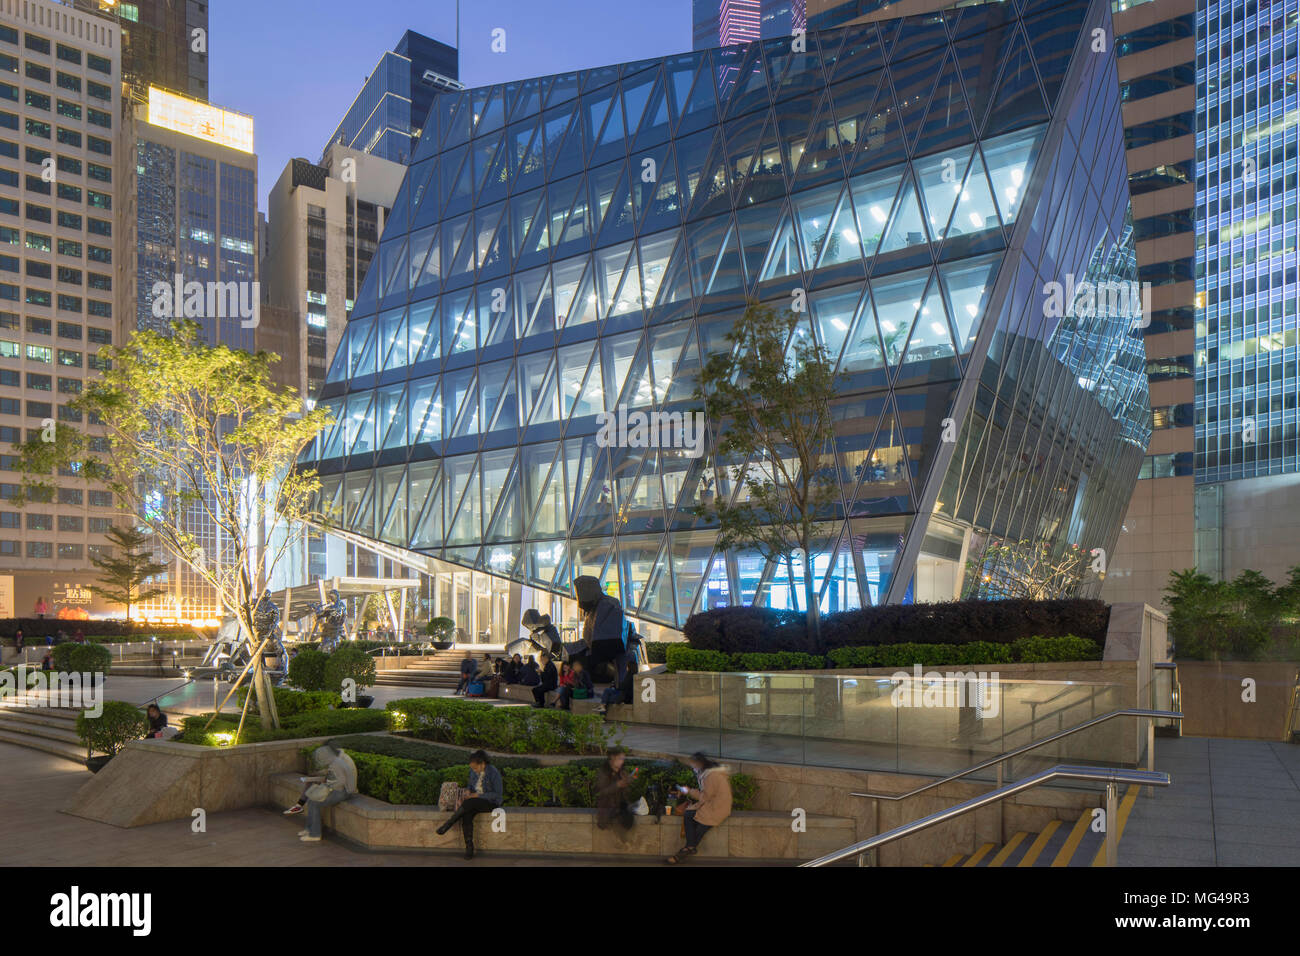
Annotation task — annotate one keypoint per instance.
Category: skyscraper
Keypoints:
(724, 22)
(194, 189)
(925, 181)
(387, 117)
(61, 185)
(164, 44)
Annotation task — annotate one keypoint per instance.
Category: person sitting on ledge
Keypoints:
(549, 680)
(579, 687)
(467, 671)
(338, 783)
(709, 805)
(612, 780)
(157, 722)
(529, 676)
(513, 670)
(486, 793)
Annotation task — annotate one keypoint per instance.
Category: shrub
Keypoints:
(505, 729)
(289, 703)
(312, 723)
(1069, 648)
(440, 628)
(307, 669)
(656, 652)
(349, 663)
(82, 659)
(683, 658)
(118, 725)
(400, 780)
(737, 630)
(1026, 649)
(434, 755)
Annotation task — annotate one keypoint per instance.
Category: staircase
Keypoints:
(51, 729)
(1059, 844)
(437, 669)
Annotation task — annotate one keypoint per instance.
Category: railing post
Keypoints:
(1112, 824)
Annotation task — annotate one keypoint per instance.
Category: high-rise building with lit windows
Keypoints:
(924, 180)
(193, 218)
(61, 189)
(724, 22)
(164, 44)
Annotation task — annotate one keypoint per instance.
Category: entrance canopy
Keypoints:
(296, 602)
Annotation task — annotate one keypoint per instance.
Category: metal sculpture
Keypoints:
(330, 626)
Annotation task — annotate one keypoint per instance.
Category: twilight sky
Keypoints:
(296, 65)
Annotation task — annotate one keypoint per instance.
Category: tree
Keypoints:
(188, 426)
(770, 396)
(124, 579)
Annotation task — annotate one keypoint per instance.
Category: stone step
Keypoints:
(75, 754)
(49, 731)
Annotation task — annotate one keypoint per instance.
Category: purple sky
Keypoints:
(296, 65)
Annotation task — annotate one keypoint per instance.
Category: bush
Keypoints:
(312, 723)
(656, 652)
(440, 628)
(82, 659)
(505, 729)
(290, 703)
(434, 755)
(1025, 650)
(34, 630)
(738, 630)
(307, 669)
(683, 658)
(401, 780)
(349, 663)
(118, 725)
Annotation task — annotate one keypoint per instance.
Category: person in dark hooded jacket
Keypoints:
(603, 628)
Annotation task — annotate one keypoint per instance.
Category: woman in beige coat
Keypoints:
(710, 804)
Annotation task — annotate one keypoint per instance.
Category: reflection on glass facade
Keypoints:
(569, 244)
(1245, 362)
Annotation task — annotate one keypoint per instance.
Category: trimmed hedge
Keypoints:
(435, 755)
(1025, 650)
(738, 630)
(313, 723)
(656, 652)
(399, 780)
(35, 628)
(519, 730)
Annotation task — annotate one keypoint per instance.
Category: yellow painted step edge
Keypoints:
(1125, 808)
(1074, 839)
(978, 855)
(952, 860)
(1007, 850)
(1037, 846)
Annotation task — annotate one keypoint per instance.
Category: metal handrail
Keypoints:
(1111, 776)
(1092, 722)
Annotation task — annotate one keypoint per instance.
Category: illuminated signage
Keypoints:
(200, 120)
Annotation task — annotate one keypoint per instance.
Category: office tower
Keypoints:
(164, 44)
(724, 22)
(194, 194)
(60, 187)
(387, 117)
(324, 228)
(1247, 481)
(923, 180)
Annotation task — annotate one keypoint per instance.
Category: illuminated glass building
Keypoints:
(924, 180)
(385, 119)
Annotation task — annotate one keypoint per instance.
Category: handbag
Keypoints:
(447, 795)
(640, 808)
(580, 693)
(318, 792)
